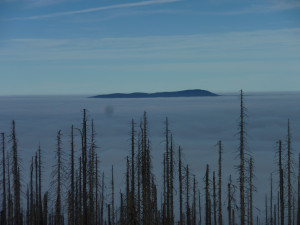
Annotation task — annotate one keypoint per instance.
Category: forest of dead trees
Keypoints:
(80, 194)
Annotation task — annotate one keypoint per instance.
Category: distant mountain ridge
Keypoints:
(173, 94)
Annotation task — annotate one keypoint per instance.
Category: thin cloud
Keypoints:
(236, 46)
(89, 10)
(280, 6)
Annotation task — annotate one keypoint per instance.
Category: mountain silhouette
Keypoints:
(173, 94)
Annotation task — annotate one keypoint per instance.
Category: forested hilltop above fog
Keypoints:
(185, 93)
(81, 193)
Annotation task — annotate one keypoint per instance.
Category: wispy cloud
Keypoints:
(260, 8)
(270, 45)
(89, 10)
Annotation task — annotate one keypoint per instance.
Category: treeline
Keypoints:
(78, 193)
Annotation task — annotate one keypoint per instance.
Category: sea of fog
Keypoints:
(197, 124)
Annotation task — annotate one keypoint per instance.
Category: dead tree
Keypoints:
(58, 215)
(40, 188)
(220, 184)
(36, 191)
(188, 213)
(112, 195)
(207, 198)
(3, 219)
(72, 175)
(281, 183)
(194, 202)
(251, 189)
(9, 200)
(16, 177)
(97, 192)
(289, 171)
(278, 206)
(45, 209)
(172, 183)
(199, 205)
(214, 199)
(167, 173)
(164, 214)
(267, 221)
(180, 187)
(122, 216)
(102, 202)
(229, 202)
(84, 167)
(242, 161)
(32, 210)
(298, 210)
(139, 171)
(146, 175)
(271, 201)
(131, 207)
(275, 222)
(91, 218)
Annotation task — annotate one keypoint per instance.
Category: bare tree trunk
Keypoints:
(171, 183)
(36, 192)
(3, 181)
(122, 217)
(41, 220)
(112, 195)
(242, 163)
(58, 215)
(293, 210)
(108, 216)
(229, 202)
(180, 187)
(188, 216)
(167, 172)
(207, 198)
(16, 177)
(248, 207)
(32, 216)
(139, 158)
(91, 218)
(72, 209)
(275, 222)
(298, 210)
(271, 201)
(214, 198)
(164, 214)
(251, 189)
(278, 208)
(281, 184)
(127, 192)
(289, 176)
(80, 193)
(84, 168)
(267, 210)
(194, 201)
(200, 217)
(45, 212)
(96, 192)
(132, 211)
(102, 201)
(10, 204)
(220, 184)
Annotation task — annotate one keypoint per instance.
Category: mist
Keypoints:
(197, 124)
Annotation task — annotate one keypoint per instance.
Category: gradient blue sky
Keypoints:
(103, 46)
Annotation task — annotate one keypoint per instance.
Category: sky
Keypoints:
(67, 47)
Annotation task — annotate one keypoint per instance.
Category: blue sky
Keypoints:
(104, 46)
